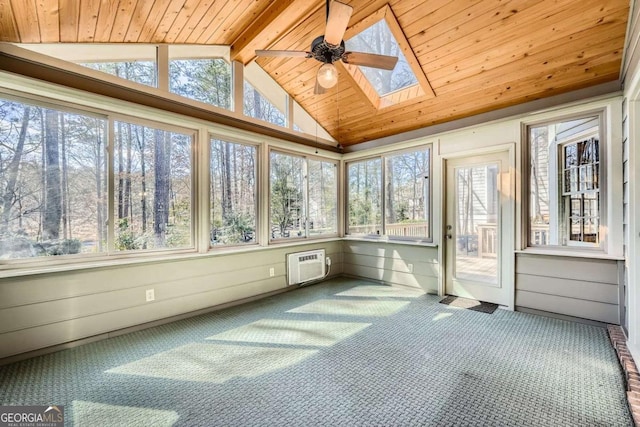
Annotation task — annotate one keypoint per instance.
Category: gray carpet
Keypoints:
(369, 356)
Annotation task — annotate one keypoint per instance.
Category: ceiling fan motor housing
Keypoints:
(324, 52)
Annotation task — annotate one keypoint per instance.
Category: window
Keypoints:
(259, 107)
(152, 170)
(205, 80)
(404, 198)
(303, 196)
(564, 183)
(379, 40)
(232, 193)
(53, 188)
(365, 197)
(143, 72)
(323, 197)
(381, 34)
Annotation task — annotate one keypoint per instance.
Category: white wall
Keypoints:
(631, 75)
(42, 310)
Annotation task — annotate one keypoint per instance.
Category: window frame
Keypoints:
(422, 89)
(383, 180)
(110, 116)
(258, 147)
(305, 192)
(111, 180)
(562, 225)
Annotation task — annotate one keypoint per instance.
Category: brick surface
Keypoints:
(631, 374)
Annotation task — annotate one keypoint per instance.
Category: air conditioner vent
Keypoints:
(305, 266)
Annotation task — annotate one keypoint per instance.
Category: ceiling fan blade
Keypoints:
(287, 53)
(337, 21)
(319, 90)
(370, 60)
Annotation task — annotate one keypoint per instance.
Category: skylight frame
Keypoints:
(421, 89)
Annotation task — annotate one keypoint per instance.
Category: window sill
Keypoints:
(386, 240)
(569, 252)
(30, 269)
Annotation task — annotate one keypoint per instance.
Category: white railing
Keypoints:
(539, 234)
(409, 229)
(487, 241)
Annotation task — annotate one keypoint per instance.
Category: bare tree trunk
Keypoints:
(12, 173)
(53, 206)
(257, 107)
(121, 204)
(102, 235)
(536, 182)
(162, 174)
(66, 220)
(390, 208)
(127, 182)
(227, 203)
(141, 140)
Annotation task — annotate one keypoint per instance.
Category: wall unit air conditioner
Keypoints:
(305, 266)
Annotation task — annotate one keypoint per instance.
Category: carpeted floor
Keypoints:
(341, 353)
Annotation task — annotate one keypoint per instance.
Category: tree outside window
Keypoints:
(232, 193)
(404, 199)
(303, 196)
(205, 80)
(152, 206)
(52, 182)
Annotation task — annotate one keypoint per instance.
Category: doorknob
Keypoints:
(448, 236)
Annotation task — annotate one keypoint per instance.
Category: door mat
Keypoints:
(471, 304)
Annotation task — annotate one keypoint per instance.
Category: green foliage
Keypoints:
(64, 247)
(286, 197)
(125, 240)
(238, 228)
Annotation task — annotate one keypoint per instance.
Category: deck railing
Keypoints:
(409, 229)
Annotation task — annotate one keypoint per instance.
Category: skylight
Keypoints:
(379, 39)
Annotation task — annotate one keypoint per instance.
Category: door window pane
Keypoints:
(476, 255)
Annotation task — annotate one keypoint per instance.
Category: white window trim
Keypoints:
(305, 191)
(207, 225)
(383, 157)
(610, 111)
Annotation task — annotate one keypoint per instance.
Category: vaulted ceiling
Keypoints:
(475, 55)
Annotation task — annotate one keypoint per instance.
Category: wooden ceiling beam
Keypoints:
(275, 21)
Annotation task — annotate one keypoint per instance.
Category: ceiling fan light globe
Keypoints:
(327, 76)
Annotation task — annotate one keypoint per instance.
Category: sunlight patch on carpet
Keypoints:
(296, 332)
(100, 414)
(214, 363)
(364, 308)
(374, 291)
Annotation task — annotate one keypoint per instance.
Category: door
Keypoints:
(478, 218)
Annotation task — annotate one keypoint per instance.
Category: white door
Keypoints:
(478, 218)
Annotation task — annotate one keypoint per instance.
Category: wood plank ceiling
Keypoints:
(478, 55)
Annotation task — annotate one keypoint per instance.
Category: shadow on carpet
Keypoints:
(470, 304)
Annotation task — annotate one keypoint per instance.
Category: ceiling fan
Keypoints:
(330, 48)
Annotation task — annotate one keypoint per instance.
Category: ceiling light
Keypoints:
(327, 76)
